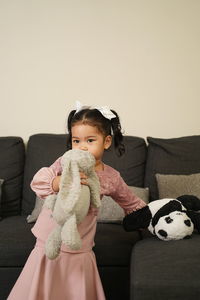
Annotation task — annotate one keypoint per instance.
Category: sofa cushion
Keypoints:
(165, 270)
(17, 241)
(173, 186)
(12, 156)
(132, 164)
(115, 281)
(113, 245)
(44, 149)
(8, 277)
(171, 156)
(1, 183)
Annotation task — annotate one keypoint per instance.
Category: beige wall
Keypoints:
(140, 57)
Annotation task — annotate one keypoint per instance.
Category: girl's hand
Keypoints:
(83, 178)
(56, 183)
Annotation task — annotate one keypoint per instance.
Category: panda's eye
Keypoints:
(178, 214)
(163, 233)
(168, 220)
(187, 222)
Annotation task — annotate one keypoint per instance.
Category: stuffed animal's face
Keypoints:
(175, 226)
(84, 160)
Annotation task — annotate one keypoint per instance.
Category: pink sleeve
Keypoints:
(126, 198)
(42, 180)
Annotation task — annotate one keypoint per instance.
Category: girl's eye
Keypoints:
(75, 141)
(90, 140)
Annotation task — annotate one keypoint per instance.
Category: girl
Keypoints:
(73, 275)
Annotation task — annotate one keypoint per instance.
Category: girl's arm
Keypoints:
(46, 180)
(125, 197)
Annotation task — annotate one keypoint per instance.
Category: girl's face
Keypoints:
(88, 138)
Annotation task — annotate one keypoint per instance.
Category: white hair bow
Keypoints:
(104, 110)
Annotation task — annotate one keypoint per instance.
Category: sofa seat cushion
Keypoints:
(166, 270)
(16, 241)
(113, 245)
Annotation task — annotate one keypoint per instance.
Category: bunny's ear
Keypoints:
(66, 160)
(71, 183)
(138, 219)
(70, 186)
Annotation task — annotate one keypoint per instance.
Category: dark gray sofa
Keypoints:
(132, 265)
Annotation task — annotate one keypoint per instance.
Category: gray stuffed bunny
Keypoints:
(71, 204)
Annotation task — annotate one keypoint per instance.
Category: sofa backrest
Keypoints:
(164, 156)
(12, 158)
(179, 156)
(44, 149)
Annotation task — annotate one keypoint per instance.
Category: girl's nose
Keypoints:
(83, 147)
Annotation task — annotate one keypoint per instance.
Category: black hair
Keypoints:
(94, 118)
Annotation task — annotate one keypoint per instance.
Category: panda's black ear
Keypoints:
(138, 219)
(190, 202)
(195, 218)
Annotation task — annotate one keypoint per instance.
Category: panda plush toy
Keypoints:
(168, 219)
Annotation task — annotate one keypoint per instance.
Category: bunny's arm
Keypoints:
(94, 185)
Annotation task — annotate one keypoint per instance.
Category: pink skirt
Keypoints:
(71, 276)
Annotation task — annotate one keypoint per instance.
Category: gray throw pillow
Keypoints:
(111, 212)
(172, 186)
(1, 183)
(36, 211)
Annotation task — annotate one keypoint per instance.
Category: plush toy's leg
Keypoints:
(190, 202)
(137, 219)
(195, 217)
(53, 243)
(70, 235)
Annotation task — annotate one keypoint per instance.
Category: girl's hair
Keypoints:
(94, 118)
